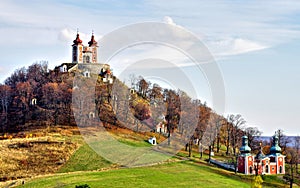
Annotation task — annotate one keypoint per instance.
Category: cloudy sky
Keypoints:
(255, 44)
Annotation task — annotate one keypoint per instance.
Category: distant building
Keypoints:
(84, 54)
(273, 163)
(84, 58)
(161, 128)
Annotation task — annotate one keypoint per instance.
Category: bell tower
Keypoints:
(245, 159)
(77, 49)
(94, 48)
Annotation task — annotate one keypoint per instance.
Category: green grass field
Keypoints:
(86, 167)
(84, 159)
(176, 174)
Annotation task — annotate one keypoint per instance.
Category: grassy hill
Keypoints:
(84, 166)
(176, 174)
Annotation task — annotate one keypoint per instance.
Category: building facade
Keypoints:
(84, 54)
(273, 163)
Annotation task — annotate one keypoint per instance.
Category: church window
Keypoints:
(267, 168)
(88, 59)
(86, 74)
(91, 115)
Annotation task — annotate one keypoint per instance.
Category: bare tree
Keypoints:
(252, 133)
(283, 140)
(291, 159)
(228, 128)
(237, 123)
(211, 133)
(5, 98)
(297, 148)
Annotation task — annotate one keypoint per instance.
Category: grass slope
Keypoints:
(180, 174)
(84, 159)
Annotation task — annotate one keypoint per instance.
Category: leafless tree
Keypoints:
(297, 148)
(237, 123)
(252, 133)
(283, 140)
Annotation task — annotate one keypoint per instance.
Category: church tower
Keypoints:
(245, 159)
(93, 48)
(77, 50)
(277, 160)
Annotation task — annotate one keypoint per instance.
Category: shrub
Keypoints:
(82, 186)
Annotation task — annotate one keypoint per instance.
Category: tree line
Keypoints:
(37, 96)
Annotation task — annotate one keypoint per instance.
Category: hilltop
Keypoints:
(36, 111)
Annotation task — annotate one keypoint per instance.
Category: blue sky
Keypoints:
(255, 43)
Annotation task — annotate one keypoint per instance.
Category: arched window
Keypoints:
(91, 115)
(88, 59)
(33, 101)
(65, 68)
(280, 169)
(86, 74)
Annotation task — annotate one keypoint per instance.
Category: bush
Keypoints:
(257, 182)
(82, 186)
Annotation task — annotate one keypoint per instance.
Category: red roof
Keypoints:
(77, 40)
(93, 41)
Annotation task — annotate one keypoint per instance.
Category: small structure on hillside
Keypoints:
(161, 128)
(152, 140)
(33, 102)
(273, 163)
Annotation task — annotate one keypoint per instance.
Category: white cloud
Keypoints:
(227, 46)
(66, 35)
(269, 23)
(233, 46)
(168, 20)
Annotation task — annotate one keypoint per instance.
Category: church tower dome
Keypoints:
(77, 40)
(275, 149)
(245, 149)
(92, 42)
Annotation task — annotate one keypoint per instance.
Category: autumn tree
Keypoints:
(5, 100)
(22, 99)
(173, 111)
(155, 92)
(297, 148)
(143, 86)
(17, 76)
(291, 158)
